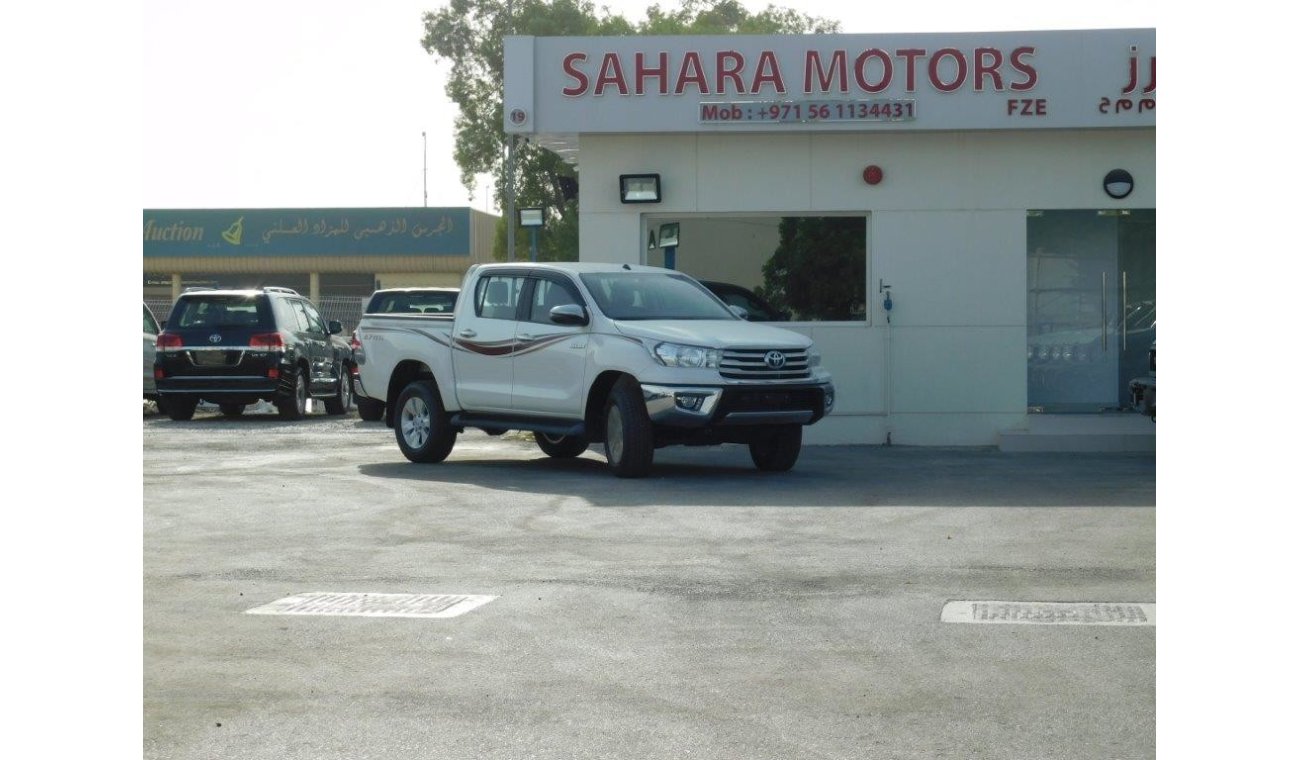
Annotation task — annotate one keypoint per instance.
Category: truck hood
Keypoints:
(708, 333)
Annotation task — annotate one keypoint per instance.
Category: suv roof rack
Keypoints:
(275, 289)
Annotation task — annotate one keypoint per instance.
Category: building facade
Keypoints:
(965, 223)
(322, 253)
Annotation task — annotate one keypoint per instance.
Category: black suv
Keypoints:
(237, 347)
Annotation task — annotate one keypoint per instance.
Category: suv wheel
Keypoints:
(629, 437)
(341, 401)
(181, 407)
(560, 446)
(295, 407)
(422, 426)
(777, 451)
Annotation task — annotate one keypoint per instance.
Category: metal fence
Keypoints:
(346, 309)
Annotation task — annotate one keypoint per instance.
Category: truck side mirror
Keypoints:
(569, 314)
(739, 311)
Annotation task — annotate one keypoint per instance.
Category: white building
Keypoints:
(1021, 286)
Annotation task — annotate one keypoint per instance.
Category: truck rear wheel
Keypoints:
(629, 436)
(560, 446)
(778, 451)
(369, 409)
(423, 430)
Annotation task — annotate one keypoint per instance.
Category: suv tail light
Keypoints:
(271, 341)
(166, 341)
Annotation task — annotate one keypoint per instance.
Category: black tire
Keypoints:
(778, 451)
(294, 407)
(341, 401)
(560, 446)
(629, 436)
(181, 408)
(232, 410)
(422, 427)
(369, 409)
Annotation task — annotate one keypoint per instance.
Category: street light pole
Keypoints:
(425, 138)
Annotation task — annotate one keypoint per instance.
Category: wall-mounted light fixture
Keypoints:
(1118, 183)
(638, 188)
(668, 234)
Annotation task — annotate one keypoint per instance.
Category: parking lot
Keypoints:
(707, 611)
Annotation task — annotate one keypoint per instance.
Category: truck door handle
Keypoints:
(525, 336)
(467, 333)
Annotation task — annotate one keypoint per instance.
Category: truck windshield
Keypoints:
(646, 295)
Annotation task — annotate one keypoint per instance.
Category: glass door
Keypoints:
(1091, 307)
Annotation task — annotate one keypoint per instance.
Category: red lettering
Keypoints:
(825, 79)
(910, 55)
(730, 64)
(984, 69)
(1018, 63)
(768, 72)
(887, 70)
(643, 73)
(692, 73)
(580, 78)
(935, 62)
(611, 72)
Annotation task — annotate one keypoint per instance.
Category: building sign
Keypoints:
(307, 232)
(1002, 80)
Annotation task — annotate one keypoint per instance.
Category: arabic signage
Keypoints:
(900, 82)
(307, 232)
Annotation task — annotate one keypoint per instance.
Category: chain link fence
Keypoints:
(346, 309)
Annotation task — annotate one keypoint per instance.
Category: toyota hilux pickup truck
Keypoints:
(632, 357)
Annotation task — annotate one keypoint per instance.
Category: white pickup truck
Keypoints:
(635, 357)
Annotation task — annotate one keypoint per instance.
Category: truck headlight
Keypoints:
(814, 357)
(677, 355)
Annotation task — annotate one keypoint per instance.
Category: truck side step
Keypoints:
(496, 424)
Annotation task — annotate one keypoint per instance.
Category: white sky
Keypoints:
(302, 103)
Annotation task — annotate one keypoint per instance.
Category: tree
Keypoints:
(819, 268)
(468, 33)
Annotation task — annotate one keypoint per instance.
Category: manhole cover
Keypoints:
(1050, 613)
(374, 605)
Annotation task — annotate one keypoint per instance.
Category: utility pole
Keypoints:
(510, 158)
(425, 138)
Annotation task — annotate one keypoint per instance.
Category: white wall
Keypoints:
(946, 230)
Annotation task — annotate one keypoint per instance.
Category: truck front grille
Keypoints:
(764, 364)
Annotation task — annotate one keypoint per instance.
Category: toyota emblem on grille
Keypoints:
(774, 359)
(214, 338)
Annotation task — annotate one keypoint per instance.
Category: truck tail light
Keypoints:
(270, 341)
(356, 344)
(166, 341)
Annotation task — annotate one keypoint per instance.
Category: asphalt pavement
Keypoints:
(709, 610)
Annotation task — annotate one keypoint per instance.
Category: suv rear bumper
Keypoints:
(263, 386)
(738, 405)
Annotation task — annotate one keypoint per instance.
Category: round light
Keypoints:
(1118, 183)
(873, 175)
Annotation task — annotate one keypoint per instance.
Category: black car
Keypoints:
(756, 309)
(237, 347)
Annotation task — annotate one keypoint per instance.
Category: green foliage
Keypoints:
(819, 268)
(467, 33)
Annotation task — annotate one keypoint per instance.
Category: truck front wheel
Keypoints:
(629, 436)
(777, 451)
(421, 424)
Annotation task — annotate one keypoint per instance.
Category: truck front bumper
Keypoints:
(738, 405)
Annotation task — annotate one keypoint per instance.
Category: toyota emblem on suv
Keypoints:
(774, 359)
(214, 338)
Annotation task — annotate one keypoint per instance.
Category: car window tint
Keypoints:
(217, 311)
(546, 296)
(497, 296)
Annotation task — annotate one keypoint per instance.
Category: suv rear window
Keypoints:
(220, 311)
(412, 302)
